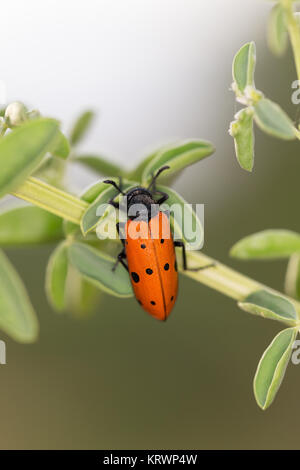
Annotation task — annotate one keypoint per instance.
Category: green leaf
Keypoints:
(99, 164)
(242, 132)
(177, 157)
(17, 317)
(292, 278)
(81, 296)
(91, 218)
(66, 289)
(61, 148)
(28, 226)
(93, 191)
(272, 367)
(277, 31)
(137, 173)
(56, 276)
(271, 119)
(97, 267)
(184, 221)
(269, 305)
(23, 149)
(88, 195)
(243, 66)
(81, 126)
(268, 244)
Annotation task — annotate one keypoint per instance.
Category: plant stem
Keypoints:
(219, 277)
(226, 280)
(52, 199)
(294, 31)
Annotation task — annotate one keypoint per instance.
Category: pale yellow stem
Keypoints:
(219, 277)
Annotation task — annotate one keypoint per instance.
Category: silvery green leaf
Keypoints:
(81, 296)
(29, 225)
(268, 305)
(56, 276)
(277, 31)
(271, 119)
(242, 132)
(88, 195)
(184, 220)
(99, 164)
(61, 147)
(91, 217)
(81, 126)
(243, 67)
(268, 244)
(137, 173)
(97, 267)
(177, 157)
(17, 317)
(272, 367)
(23, 149)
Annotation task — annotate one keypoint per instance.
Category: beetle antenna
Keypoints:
(113, 183)
(163, 168)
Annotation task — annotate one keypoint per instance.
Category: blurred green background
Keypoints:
(120, 379)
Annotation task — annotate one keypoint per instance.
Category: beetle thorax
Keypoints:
(141, 204)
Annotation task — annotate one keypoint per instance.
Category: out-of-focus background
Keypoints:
(156, 71)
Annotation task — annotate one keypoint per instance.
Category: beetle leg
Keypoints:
(181, 244)
(120, 259)
(164, 196)
(113, 203)
(184, 261)
(118, 230)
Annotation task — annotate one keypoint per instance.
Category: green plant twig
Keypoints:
(50, 198)
(220, 277)
(293, 30)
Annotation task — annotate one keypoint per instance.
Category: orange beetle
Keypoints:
(152, 265)
(149, 249)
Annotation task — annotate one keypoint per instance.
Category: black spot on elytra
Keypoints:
(152, 302)
(143, 246)
(166, 267)
(135, 277)
(162, 241)
(139, 302)
(175, 265)
(172, 298)
(149, 271)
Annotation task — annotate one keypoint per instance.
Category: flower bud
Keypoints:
(15, 114)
